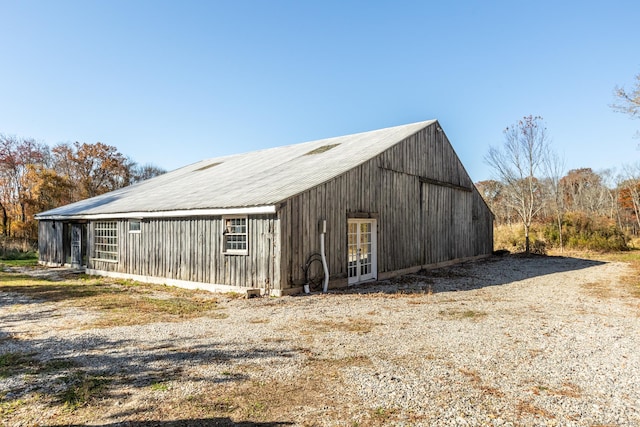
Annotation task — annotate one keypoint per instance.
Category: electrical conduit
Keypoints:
(325, 285)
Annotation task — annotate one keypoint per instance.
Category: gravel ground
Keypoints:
(501, 342)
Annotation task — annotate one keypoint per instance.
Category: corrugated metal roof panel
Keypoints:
(257, 178)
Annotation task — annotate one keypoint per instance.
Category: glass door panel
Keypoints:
(361, 250)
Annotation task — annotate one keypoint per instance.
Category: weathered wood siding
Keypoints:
(482, 225)
(50, 241)
(448, 230)
(190, 249)
(427, 210)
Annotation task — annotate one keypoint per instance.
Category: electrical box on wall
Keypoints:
(322, 226)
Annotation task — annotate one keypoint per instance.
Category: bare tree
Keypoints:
(629, 198)
(522, 156)
(492, 192)
(554, 166)
(143, 172)
(611, 192)
(628, 102)
(585, 191)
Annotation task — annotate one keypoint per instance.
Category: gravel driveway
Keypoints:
(505, 341)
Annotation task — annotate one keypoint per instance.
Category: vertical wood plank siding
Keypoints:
(427, 209)
(191, 249)
(50, 240)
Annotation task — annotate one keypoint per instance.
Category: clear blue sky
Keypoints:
(171, 83)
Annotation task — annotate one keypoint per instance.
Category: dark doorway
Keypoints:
(74, 238)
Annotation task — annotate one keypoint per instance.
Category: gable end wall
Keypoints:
(428, 211)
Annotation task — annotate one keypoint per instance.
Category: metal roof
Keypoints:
(252, 182)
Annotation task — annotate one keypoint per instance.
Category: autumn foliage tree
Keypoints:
(35, 178)
(94, 168)
(16, 157)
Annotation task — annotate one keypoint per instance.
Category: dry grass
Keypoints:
(598, 290)
(566, 390)
(256, 401)
(528, 408)
(82, 397)
(569, 390)
(633, 280)
(476, 380)
(632, 258)
(327, 365)
(13, 362)
(117, 302)
(471, 374)
(455, 314)
(351, 324)
(75, 388)
(80, 389)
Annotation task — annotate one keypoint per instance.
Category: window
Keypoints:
(105, 244)
(134, 226)
(235, 235)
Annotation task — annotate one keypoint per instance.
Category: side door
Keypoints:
(362, 250)
(76, 245)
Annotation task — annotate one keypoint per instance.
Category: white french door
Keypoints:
(361, 242)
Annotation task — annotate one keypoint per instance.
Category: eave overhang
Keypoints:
(179, 213)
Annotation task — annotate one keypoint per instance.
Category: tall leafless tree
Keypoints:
(518, 163)
(555, 165)
(630, 191)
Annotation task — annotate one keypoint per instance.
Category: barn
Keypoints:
(353, 209)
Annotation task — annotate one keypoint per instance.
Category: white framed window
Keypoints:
(105, 241)
(134, 226)
(235, 235)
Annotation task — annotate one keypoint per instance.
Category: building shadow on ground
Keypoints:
(202, 422)
(495, 270)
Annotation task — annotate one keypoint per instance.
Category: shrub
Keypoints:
(512, 239)
(15, 255)
(583, 232)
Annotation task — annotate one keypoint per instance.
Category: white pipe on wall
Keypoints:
(325, 285)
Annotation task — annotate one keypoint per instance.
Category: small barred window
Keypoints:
(105, 245)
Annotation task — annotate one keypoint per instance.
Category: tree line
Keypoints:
(35, 177)
(582, 208)
(579, 209)
(537, 204)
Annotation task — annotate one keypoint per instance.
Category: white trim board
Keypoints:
(270, 209)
